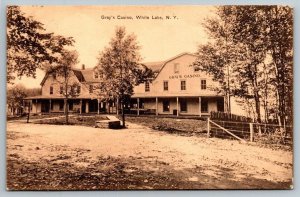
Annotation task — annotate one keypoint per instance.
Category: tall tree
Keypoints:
(218, 57)
(120, 65)
(15, 96)
(28, 45)
(64, 75)
(280, 44)
(262, 41)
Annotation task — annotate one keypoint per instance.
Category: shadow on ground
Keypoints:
(109, 173)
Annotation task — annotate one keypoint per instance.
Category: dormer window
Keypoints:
(176, 68)
(196, 68)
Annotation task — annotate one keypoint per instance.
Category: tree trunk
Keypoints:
(66, 110)
(123, 114)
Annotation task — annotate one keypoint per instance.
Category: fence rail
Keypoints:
(249, 131)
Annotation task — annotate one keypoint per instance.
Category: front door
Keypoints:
(45, 106)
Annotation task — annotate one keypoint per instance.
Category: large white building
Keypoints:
(177, 89)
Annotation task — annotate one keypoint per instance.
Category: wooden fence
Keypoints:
(242, 128)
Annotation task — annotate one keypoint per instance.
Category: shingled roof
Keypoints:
(87, 74)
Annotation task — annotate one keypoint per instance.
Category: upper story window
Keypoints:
(176, 68)
(196, 68)
(166, 85)
(203, 84)
(183, 85)
(91, 88)
(61, 89)
(147, 86)
(96, 75)
(54, 76)
(51, 89)
(78, 89)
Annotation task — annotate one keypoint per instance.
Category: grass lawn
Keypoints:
(73, 120)
(185, 127)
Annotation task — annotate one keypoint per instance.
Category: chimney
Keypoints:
(83, 67)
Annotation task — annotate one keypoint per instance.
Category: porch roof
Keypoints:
(142, 95)
(57, 97)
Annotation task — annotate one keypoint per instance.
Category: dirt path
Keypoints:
(77, 157)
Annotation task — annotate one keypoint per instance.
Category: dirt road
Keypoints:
(60, 157)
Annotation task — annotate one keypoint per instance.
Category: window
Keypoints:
(204, 106)
(147, 86)
(51, 89)
(166, 85)
(183, 85)
(96, 75)
(203, 84)
(176, 68)
(196, 68)
(91, 89)
(166, 105)
(72, 90)
(78, 89)
(183, 105)
(61, 89)
(54, 76)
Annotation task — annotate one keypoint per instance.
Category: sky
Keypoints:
(92, 27)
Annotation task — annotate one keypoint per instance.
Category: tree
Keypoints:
(15, 96)
(260, 48)
(280, 44)
(63, 72)
(218, 57)
(120, 67)
(28, 45)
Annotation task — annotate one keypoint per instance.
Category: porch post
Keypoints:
(80, 110)
(117, 106)
(200, 106)
(30, 105)
(138, 106)
(87, 107)
(156, 105)
(98, 106)
(36, 106)
(177, 105)
(50, 106)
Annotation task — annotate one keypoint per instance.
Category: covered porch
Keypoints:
(177, 105)
(43, 105)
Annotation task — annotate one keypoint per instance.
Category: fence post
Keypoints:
(208, 127)
(251, 131)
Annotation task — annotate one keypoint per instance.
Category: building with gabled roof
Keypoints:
(176, 89)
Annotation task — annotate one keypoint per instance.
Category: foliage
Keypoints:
(120, 66)
(63, 72)
(29, 46)
(253, 46)
(15, 96)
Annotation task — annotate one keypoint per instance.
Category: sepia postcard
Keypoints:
(149, 97)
